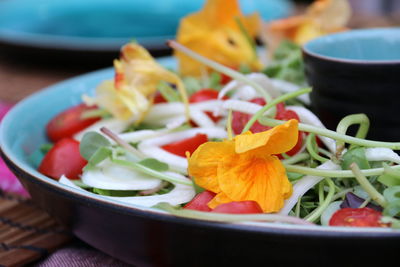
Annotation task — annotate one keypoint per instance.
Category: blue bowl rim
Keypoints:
(359, 32)
(79, 195)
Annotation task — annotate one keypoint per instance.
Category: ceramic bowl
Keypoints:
(357, 71)
(147, 237)
(92, 31)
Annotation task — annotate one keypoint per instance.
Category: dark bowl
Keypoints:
(148, 237)
(357, 71)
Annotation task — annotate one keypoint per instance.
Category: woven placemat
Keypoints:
(27, 233)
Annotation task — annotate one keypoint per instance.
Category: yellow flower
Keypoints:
(246, 167)
(214, 33)
(137, 75)
(320, 18)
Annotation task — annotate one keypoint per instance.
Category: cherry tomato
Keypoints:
(179, 148)
(239, 207)
(357, 217)
(69, 122)
(200, 201)
(63, 158)
(205, 95)
(240, 119)
(158, 98)
(288, 115)
(225, 78)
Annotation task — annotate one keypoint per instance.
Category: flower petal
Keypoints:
(219, 199)
(251, 177)
(213, 32)
(278, 140)
(204, 162)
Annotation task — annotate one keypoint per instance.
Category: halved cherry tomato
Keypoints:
(240, 119)
(288, 115)
(200, 201)
(63, 158)
(190, 144)
(158, 98)
(357, 217)
(239, 207)
(69, 122)
(205, 95)
(225, 78)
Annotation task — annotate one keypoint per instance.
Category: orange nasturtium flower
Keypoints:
(214, 33)
(131, 93)
(320, 18)
(246, 167)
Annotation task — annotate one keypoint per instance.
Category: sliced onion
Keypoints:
(110, 176)
(305, 184)
(329, 211)
(163, 110)
(381, 154)
(201, 118)
(175, 122)
(175, 162)
(64, 180)
(115, 125)
(179, 195)
(241, 106)
(307, 117)
(248, 92)
(212, 132)
(136, 136)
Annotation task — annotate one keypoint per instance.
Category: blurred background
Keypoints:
(46, 41)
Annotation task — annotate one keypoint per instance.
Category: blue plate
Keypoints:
(144, 237)
(105, 25)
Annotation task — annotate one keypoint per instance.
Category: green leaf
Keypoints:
(392, 209)
(80, 184)
(115, 193)
(198, 189)
(45, 148)
(154, 164)
(245, 69)
(293, 176)
(392, 194)
(192, 84)
(287, 64)
(390, 177)
(214, 81)
(169, 93)
(96, 113)
(101, 154)
(355, 155)
(389, 180)
(90, 143)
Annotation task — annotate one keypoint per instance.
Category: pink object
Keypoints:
(8, 181)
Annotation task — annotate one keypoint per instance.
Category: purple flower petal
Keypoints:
(353, 201)
(8, 181)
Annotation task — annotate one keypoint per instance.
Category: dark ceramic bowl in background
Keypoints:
(148, 237)
(357, 71)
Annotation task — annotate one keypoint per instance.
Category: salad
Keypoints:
(226, 137)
